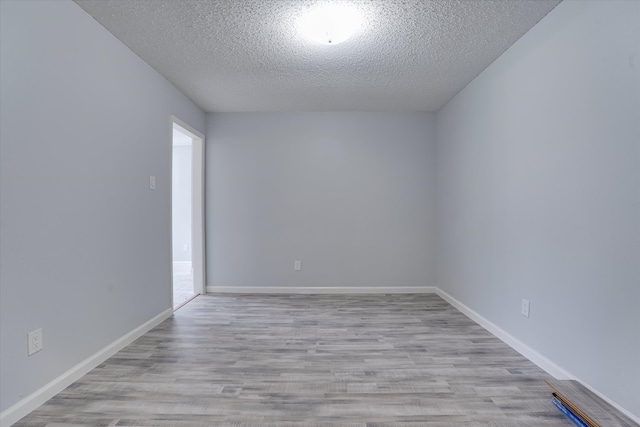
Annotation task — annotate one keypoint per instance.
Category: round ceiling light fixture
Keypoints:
(330, 24)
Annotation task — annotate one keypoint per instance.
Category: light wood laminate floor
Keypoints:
(314, 360)
(182, 283)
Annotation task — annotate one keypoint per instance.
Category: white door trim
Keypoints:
(198, 253)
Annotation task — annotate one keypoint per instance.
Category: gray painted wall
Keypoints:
(85, 248)
(351, 195)
(539, 193)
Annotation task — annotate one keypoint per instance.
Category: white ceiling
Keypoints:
(246, 55)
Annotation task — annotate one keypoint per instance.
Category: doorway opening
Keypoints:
(187, 214)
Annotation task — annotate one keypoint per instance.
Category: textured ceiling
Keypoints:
(246, 55)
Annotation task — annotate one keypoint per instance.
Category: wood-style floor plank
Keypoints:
(313, 360)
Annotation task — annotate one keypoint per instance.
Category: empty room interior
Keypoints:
(415, 215)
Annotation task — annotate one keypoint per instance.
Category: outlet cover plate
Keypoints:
(525, 307)
(34, 339)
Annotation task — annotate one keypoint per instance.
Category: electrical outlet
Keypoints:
(525, 307)
(34, 340)
(297, 266)
(185, 247)
(152, 182)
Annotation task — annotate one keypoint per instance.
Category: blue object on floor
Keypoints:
(568, 412)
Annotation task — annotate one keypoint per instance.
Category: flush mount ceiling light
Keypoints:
(330, 24)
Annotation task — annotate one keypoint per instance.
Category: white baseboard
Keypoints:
(33, 401)
(541, 361)
(21, 409)
(321, 289)
(183, 263)
(528, 352)
(635, 419)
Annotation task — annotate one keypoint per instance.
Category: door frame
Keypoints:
(198, 247)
